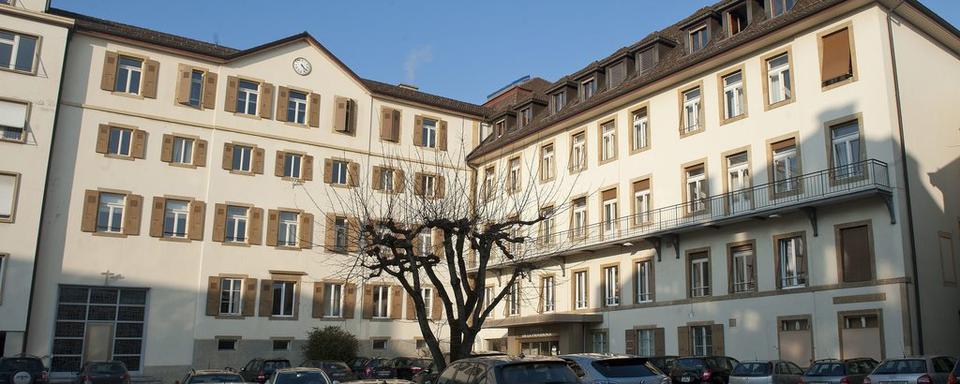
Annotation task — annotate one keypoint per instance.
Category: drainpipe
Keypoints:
(906, 183)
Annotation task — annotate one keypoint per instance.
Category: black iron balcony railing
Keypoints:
(864, 177)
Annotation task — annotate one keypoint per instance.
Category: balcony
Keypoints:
(759, 202)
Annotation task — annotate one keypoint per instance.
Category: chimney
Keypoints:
(408, 86)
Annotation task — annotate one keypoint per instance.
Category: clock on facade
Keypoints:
(302, 66)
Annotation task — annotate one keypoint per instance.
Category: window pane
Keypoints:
(8, 188)
(26, 52)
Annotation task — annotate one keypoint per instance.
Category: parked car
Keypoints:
(22, 369)
(356, 365)
(508, 370)
(401, 368)
(259, 370)
(614, 369)
(430, 374)
(833, 371)
(103, 372)
(366, 370)
(766, 372)
(337, 370)
(954, 377)
(663, 363)
(702, 370)
(211, 376)
(299, 376)
(913, 370)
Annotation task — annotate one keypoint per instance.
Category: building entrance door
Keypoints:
(860, 336)
(796, 341)
(98, 342)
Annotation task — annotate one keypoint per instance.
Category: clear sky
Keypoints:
(455, 48)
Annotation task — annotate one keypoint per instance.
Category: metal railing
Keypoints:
(754, 201)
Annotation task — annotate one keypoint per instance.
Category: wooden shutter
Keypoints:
(437, 310)
(396, 301)
(836, 61)
(398, 180)
(91, 200)
(230, 98)
(395, 135)
(306, 231)
(139, 149)
(327, 171)
(353, 234)
(219, 222)
(156, 216)
(630, 341)
(683, 340)
(150, 78)
(103, 138)
(108, 79)
(418, 131)
(266, 297)
(213, 295)
(352, 110)
(340, 115)
(349, 300)
(307, 173)
(166, 149)
(418, 184)
(258, 155)
(313, 110)
(278, 164)
(659, 344)
(855, 254)
(272, 227)
(209, 98)
(283, 96)
(318, 296)
(377, 182)
(198, 211)
(256, 226)
(411, 308)
(248, 306)
(716, 332)
(330, 232)
(227, 156)
(367, 301)
(200, 153)
(441, 187)
(353, 174)
(386, 124)
(266, 100)
(132, 213)
(184, 75)
(442, 135)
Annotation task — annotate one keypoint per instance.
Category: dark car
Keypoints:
(368, 366)
(211, 376)
(766, 372)
(430, 374)
(22, 369)
(401, 368)
(259, 370)
(954, 377)
(337, 370)
(702, 370)
(663, 363)
(103, 372)
(299, 376)
(508, 370)
(832, 371)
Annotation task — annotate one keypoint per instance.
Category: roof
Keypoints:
(220, 53)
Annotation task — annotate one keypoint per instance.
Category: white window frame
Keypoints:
(15, 50)
(127, 86)
(9, 126)
(513, 300)
(287, 229)
(646, 342)
(182, 152)
(743, 277)
(640, 129)
(9, 211)
(284, 306)
(112, 208)
(546, 162)
(641, 203)
(298, 106)
(696, 189)
(610, 218)
(600, 341)
(784, 7)
(429, 133)
(580, 219)
(644, 287)
(559, 101)
(779, 87)
(699, 39)
(738, 180)
(381, 301)
(242, 158)
(588, 88)
(846, 163)
(514, 179)
(196, 88)
(549, 294)
(785, 176)
(792, 254)
(293, 165)
(692, 110)
(231, 294)
(426, 242)
(733, 95)
(488, 184)
(700, 277)
(526, 116)
(386, 179)
(548, 225)
(123, 140)
(429, 183)
(340, 232)
(426, 293)
(488, 297)
(181, 219)
(578, 152)
(611, 287)
(608, 140)
(702, 339)
(500, 127)
(333, 300)
(235, 222)
(340, 172)
(581, 300)
(248, 97)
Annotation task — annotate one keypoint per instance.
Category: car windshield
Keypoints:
(273, 365)
(826, 369)
(217, 378)
(301, 378)
(624, 367)
(893, 367)
(538, 373)
(335, 367)
(752, 369)
(30, 365)
(690, 364)
(106, 368)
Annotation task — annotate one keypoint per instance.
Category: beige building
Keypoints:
(32, 47)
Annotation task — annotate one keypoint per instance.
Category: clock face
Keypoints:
(301, 66)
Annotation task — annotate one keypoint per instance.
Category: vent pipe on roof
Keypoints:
(408, 86)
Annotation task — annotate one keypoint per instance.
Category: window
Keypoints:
(379, 344)
(861, 322)
(738, 181)
(526, 116)
(242, 158)
(119, 141)
(791, 262)
(548, 295)
(733, 95)
(339, 172)
(488, 184)
(691, 111)
(231, 296)
(779, 7)
(698, 39)
(284, 294)
(429, 185)
(247, 94)
(640, 131)
(340, 233)
(488, 296)
(736, 20)
(381, 297)
(514, 180)
(287, 229)
(227, 344)
(427, 295)
(421, 344)
(779, 87)
(644, 281)
(333, 300)
(236, 231)
(175, 213)
(646, 60)
(744, 269)
(182, 151)
(608, 141)
(696, 179)
(646, 342)
(297, 107)
(386, 179)
(426, 242)
(129, 71)
(292, 165)
(13, 120)
(500, 127)
(948, 260)
(559, 101)
(281, 344)
(513, 300)
(601, 341)
(195, 96)
(855, 253)
(699, 274)
(547, 225)
(17, 52)
(578, 152)
(641, 202)
(610, 213)
(429, 135)
(546, 162)
(611, 286)
(836, 59)
(588, 88)
(111, 212)
(9, 186)
(846, 150)
(702, 340)
(786, 167)
(580, 290)
(579, 220)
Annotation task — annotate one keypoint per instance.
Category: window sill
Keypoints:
(19, 71)
(182, 165)
(242, 173)
(346, 133)
(235, 244)
(295, 124)
(137, 96)
(298, 180)
(175, 239)
(287, 248)
(851, 79)
(109, 234)
(119, 157)
(684, 132)
(601, 162)
(22, 140)
(283, 318)
(640, 150)
(733, 119)
(229, 317)
(254, 116)
(6, 220)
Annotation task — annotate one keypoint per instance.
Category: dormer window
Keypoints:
(526, 115)
(588, 88)
(779, 7)
(699, 38)
(736, 20)
(500, 127)
(646, 60)
(616, 74)
(559, 100)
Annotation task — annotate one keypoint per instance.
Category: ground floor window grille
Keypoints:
(98, 323)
